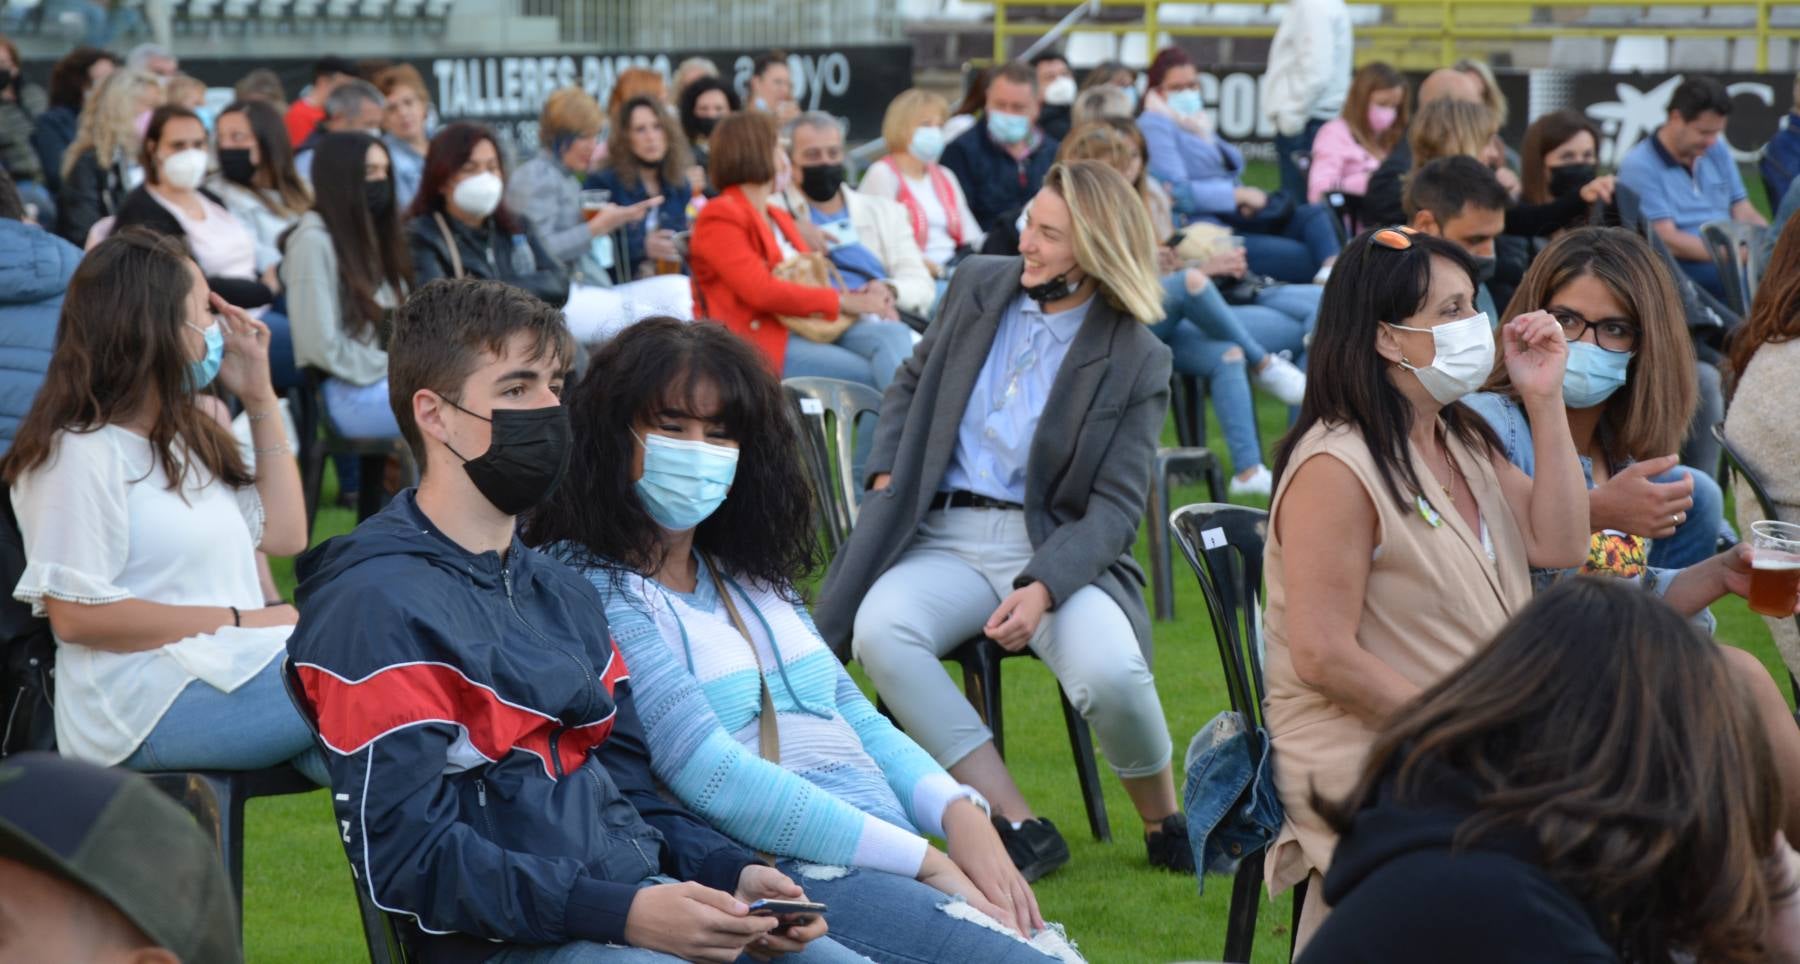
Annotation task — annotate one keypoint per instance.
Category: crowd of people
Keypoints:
(575, 662)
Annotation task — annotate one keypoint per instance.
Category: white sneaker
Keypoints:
(1260, 482)
(1282, 380)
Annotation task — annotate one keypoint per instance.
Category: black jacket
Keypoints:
(994, 180)
(488, 767)
(89, 193)
(51, 136)
(486, 252)
(140, 210)
(1402, 893)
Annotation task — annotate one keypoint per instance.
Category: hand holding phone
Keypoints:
(793, 913)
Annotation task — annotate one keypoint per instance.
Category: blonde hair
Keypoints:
(182, 86)
(906, 114)
(1100, 103)
(568, 112)
(1112, 236)
(1491, 96)
(1446, 128)
(108, 125)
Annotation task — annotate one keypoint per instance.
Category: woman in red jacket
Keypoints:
(738, 239)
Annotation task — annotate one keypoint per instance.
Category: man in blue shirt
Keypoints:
(1001, 161)
(869, 239)
(1685, 176)
(1781, 158)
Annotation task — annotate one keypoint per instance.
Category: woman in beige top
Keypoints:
(1760, 423)
(1409, 544)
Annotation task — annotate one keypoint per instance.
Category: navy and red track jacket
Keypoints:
(488, 769)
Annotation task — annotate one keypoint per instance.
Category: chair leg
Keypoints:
(1240, 927)
(1299, 906)
(1081, 744)
(1162, 579)
(981, 684)
(372, 493)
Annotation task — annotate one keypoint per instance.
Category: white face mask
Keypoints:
(478, 195)
(1060, 91)
(1464, 357)
(184, 169)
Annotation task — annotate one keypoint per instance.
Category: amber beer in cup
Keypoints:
(1774, 568)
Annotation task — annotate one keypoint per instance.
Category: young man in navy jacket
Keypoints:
(488, 768)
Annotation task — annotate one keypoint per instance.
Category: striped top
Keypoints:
(850, 789)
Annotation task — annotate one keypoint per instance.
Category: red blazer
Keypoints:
(731, 255)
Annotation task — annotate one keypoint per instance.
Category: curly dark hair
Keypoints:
(766, 531)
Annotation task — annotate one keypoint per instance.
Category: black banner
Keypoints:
(507, 92)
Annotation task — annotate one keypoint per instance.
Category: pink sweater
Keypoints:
(1339, 163)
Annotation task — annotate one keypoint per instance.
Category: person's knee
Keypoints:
(1233, 356)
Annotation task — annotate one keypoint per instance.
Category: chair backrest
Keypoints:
(1224, 545)
(1737, 253)
(1736, 462)
(826, 411)
(27, 653)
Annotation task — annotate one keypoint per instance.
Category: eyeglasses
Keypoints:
(1394, 239)
(1610, 334)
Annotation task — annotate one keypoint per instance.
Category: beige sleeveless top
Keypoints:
(1434, 597)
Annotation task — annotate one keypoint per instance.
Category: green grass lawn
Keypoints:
(299, 906)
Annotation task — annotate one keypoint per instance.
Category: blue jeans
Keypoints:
(1293, 179)
(1696, 539)
(893, 918)
(252, 727)
(1282, 317)
(868, 352)
(360, 411)
(283, 372)
(1291, 249)
(822, 951)
(1227, 383)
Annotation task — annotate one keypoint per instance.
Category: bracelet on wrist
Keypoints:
(259, 416)
(274, 449)
(237, 618)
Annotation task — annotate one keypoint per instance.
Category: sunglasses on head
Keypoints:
(1394, 239)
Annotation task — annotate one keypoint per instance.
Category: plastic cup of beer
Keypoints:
(592, 200)
(1774, 568)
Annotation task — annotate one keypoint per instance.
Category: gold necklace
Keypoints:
(1449, 468)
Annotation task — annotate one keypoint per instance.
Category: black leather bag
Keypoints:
(27, 655)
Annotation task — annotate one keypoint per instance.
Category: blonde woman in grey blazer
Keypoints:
(1009, 471)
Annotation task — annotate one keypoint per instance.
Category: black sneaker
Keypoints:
(1168, 848)
(1036, 848)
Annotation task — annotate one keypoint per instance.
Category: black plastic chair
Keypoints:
(1346, 211)
(1735, 465)
(1224, 545)
(216, 799)
(1187, 400)
(1169, 466)
(319, 439)
(386, 946)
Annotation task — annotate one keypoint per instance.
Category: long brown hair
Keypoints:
(1546, 134)
(1446, 128)
(1602, 724)
(371, 250)
(1648, 417)
(1775, 314)
(618, 144)
(275, 172)
(121, 348)
(1371, 77)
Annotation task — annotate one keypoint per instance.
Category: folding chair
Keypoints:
(386, 946)
(836, 488)
(1737, 252)
(1735, 465)
(1224, 545)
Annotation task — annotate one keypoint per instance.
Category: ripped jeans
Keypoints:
(891, 918)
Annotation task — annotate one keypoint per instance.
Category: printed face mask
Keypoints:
(1464, 357)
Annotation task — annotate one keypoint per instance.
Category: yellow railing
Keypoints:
(1446, 31)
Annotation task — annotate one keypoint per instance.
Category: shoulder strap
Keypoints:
(456, 265)
(768, 737)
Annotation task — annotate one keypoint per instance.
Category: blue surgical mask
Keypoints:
(927, 143)
(1593, 374)
(684, 481)
(1007, 128)
(1185, 102)
(201, 373)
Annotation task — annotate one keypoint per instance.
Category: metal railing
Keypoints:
(1445, 29)
(703, 24)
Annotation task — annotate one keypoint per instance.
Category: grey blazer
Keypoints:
(1087, 476)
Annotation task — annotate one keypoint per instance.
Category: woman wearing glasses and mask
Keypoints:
(1009, 473)
(1400, 538)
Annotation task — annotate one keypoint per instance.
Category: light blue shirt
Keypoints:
(993, 440)
(408, 170)
(1670, 192)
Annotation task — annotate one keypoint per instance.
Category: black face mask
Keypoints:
(379, 195)
(235, 164)
(6, 78)
(821, 181)
(1055, 289)
(528, 452)
(705, 125)
(1569, 178)
(1484, 270)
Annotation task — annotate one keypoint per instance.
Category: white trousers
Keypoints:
(959, 568)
